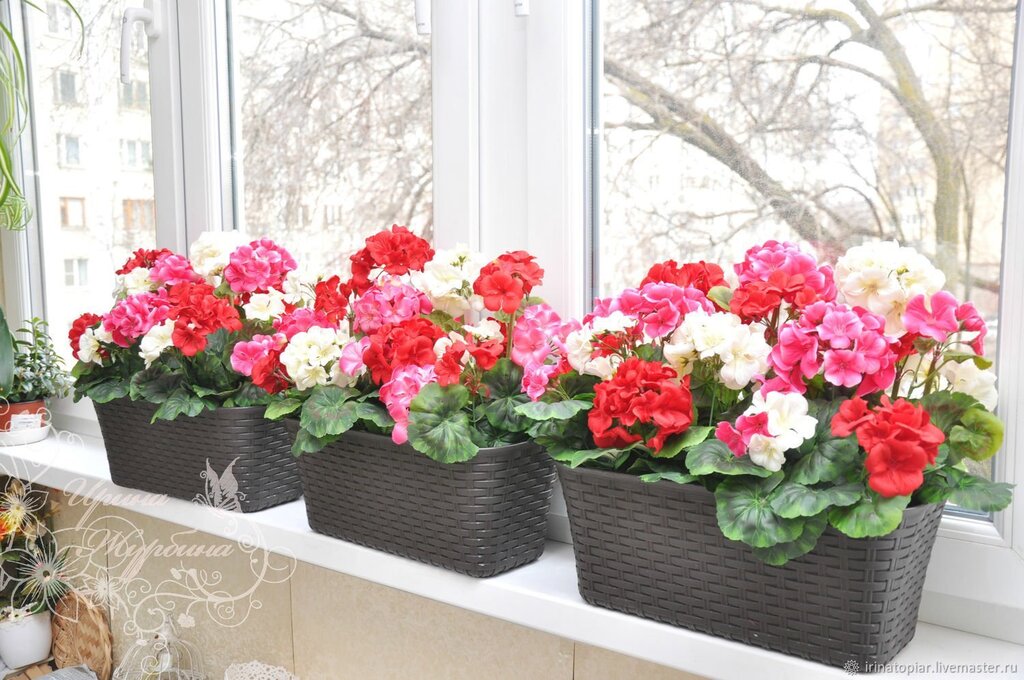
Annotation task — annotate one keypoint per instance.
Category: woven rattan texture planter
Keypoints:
(655, 550)
(481, 518)
(170, 457)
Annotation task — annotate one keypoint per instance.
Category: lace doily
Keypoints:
(254, 670)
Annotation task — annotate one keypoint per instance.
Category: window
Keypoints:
(69, 152)
(355, 77)
(72, 213)
(135, 95)
(138, 214)
(65, 88)
(136, 154)
(76, 272)
(60, 20)
(807, 133)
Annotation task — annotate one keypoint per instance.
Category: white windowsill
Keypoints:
(542, 595)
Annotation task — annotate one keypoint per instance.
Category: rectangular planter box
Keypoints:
(655, 550)
(171, 457)
(480, 518)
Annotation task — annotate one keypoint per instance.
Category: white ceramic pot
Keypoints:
(27, 641)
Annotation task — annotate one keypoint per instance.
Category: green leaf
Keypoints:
(307, 443)
(712, 455)
(960, 357)
(603, 458)
(946, 408)
(780, 553)
(439, 425)
(650, 470)
(504, 396)
(6, 356)
(445, 321)
(154, 384)
(828, 461)
(745, 513)
(791, 499)
(280, 408)
(328, 411)
(180, 401)
(978, 437)
(965, 490)
(107, 391)
(686, 440)
(721, 296)
(873, 515)
(372, 413)
(558, 410)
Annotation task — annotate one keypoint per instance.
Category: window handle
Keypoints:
(150, 19)
(423, 17)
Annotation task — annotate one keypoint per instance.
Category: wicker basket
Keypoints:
(189, 458)
(655, 550)
(481, 518)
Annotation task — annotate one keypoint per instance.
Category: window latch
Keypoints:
(150, 19)
(423, 17)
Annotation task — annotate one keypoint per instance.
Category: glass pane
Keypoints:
(332, 122)
(85, 189)
(729, 122)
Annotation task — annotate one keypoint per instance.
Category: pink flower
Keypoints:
(538, 334)
(839, 327)
(536, 378)
(761, 261)
(659, 307)
(388, 302)
(844, 367)
(794, 357)
(247, 353)
(738, 438)
(134, 316)
(935, 320)
(171, 268)
(397, 393)
(971, 321)
(351, 361)
(258, 267)
(300, 320)
(731, 437)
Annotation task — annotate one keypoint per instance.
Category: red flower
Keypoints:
(79, 327)
(197, 312)
(487, 353)
(899, 438)
(500, 291)
(142, 258)
(332, 299)
(268, 374)
(754, 301)
(396, 252)
(449, 367)
(644, 401)
(188, 339)
(395, 345)
(700, 275)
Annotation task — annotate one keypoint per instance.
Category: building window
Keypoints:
(59, 19)
(72, 213)
(69, 151)
(333, 215)
(76, 271)
(135, 94)
(138, 214)
(66, 88)
(136, 154)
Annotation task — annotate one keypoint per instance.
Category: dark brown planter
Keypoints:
(655, 550)
(173, 457)
(7, 410)
(481, 518)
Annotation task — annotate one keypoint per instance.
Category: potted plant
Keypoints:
(31, 372)
(176, 418)
(404, 412)
(769, 461)
(34, 576)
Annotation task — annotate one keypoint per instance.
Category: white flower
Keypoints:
(966, 377)
(616, 322)
(89, 347)
(444, 342)
(135, 281)
(579, 352)
(154, 342)
(103, 335)
(210, 253)
(447, 279)
(787, 417)
(488, 329)
(264, 306)
(882, 277)
(299, 286)
(311, 357)
(768, 452)
(745, 356)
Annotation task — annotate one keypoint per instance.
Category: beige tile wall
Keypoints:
(317, 623)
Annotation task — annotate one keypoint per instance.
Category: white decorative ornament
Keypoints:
(255, 670)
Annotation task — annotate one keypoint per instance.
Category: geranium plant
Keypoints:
(395, 350)
(802, 396)
(169, 337)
